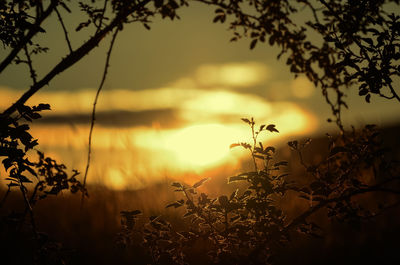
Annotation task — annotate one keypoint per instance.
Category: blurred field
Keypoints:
(88, 236)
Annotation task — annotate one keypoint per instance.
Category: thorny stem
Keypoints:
(102, 16)
(93, 118)
(64, 29)
(30, 65)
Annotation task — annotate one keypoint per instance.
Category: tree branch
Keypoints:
(32, 32)
(73, 57)
(30, 65)
(102, 16)
(376, 188)
(64, 29)
(107, 64)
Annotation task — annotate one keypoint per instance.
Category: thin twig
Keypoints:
(94, 110)
(358, 43)
(322, 204)
(27, 38)
(102, 16)
(30, 65)
(64, 29)
(73, 57)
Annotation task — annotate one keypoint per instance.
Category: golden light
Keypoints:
(201, 145)
(115, 179)
(224, 102)
(232, 74)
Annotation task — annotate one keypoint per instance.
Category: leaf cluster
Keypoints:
(251, 225)
(356, 164)
(45, 175)
(16, 142)
(335, 44)
(244, 227)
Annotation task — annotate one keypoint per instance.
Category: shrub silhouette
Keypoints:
(357, 45)
(251, 225)
(49, 176)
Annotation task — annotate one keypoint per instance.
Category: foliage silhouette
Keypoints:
(46, 175)
(340, 44)
(251, 225)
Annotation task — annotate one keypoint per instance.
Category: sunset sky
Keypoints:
(173, 94)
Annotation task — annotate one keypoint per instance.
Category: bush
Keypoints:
(252, 225)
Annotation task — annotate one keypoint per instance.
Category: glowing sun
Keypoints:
(201, 145)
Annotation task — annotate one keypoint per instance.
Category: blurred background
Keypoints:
(172, 101)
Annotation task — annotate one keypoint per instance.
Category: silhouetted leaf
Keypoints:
(271, 128)
(246, 120)
(187, 214)
(338, 149)
(269, 149)
(24, 179)
(253, 44)
(293, 144)
(234, 145)
(236, 178)
(199, 183)
(177, 184)
(175, 204)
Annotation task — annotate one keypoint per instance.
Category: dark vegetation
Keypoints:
(342, 201)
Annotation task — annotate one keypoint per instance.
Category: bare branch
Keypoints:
(103, 79)
(30, 65)
(64, 29)
(102, 16)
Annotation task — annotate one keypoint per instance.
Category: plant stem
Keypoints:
(93, 118)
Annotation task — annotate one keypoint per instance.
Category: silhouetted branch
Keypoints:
(394, 92)
(73, 57)
(64, 29)
(102, 16)
(32, 32)
(362, 48)
(376, 188)
(30, 65)
(382, 210)
(93, 118)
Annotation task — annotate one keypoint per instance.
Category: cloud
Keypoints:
(226, 102)
(245, 74)
(163, 107)
(165, 118)
(81, 101)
